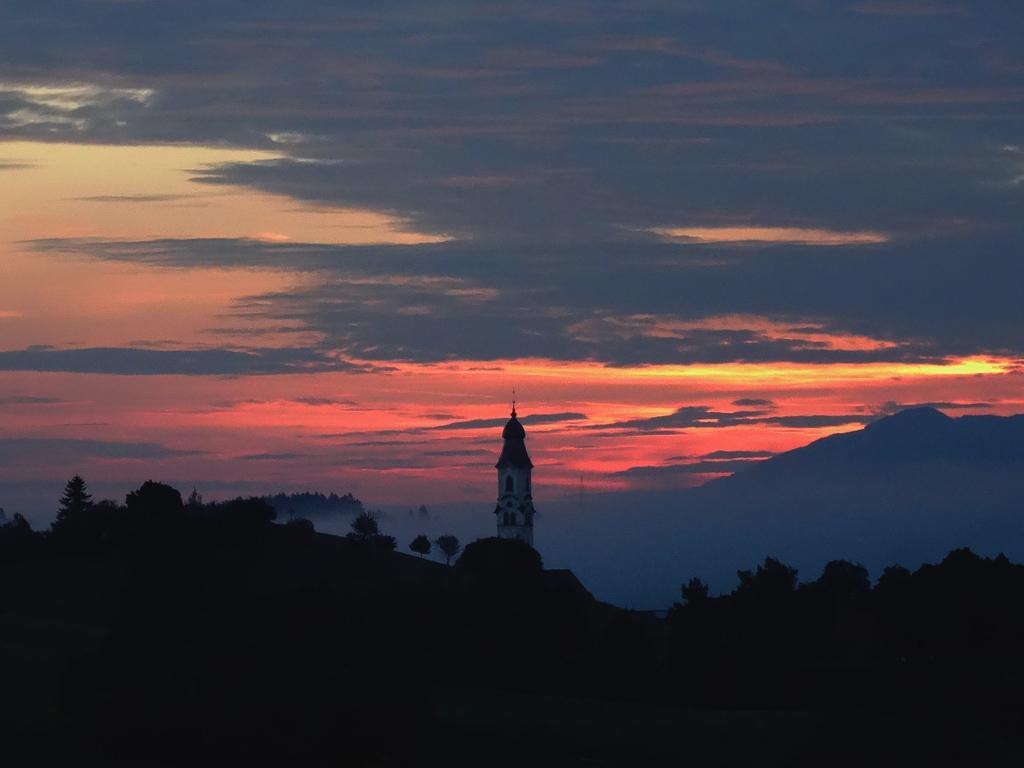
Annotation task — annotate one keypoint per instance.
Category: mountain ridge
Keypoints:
(905, 489)
(909, 437)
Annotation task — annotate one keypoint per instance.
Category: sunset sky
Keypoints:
(252, 246)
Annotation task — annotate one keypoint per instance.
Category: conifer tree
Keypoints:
(75, 501)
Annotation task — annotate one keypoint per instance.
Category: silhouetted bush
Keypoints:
(842, 582)
(420, 545)
(501, 561)
(155, 501)
(17, 539)
(694, 592)
(242, 515)
(894, 580)
(301, 528)
(366, 531)
(771, 582)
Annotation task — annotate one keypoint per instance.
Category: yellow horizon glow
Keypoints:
(777, 235)
(747, 373)
(140, 192)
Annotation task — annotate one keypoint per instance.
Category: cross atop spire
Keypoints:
(513, 401)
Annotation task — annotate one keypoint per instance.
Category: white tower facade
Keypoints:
(515, 490)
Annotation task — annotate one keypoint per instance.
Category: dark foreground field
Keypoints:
(216, 637)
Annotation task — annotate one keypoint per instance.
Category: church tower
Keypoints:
(515, 494)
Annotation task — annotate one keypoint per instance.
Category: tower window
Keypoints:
(509, 484)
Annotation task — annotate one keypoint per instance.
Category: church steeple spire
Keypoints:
(514, 509)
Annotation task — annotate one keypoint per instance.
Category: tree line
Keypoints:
(83, 522)
(932, 636)
(366, 529)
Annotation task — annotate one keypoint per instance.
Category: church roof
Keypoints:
(513, 429)
(513, 453)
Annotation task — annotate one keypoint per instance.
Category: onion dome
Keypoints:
(513, 453)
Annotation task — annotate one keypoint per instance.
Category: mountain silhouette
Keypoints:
(915, 444)
(905, 489)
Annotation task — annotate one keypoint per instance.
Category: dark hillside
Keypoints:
(167, 623)
(170, 634)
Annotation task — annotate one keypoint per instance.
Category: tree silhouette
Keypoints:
(75, 501)
(364, 527)
(894, 579)
(243, 514)
(18, 523)
(449, 546)
(842, 581)
(770, 581)
(365, 530)
(17, 538)
(695, 592)
(420, 545)
(156, 501)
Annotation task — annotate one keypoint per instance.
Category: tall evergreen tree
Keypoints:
(76, 500)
